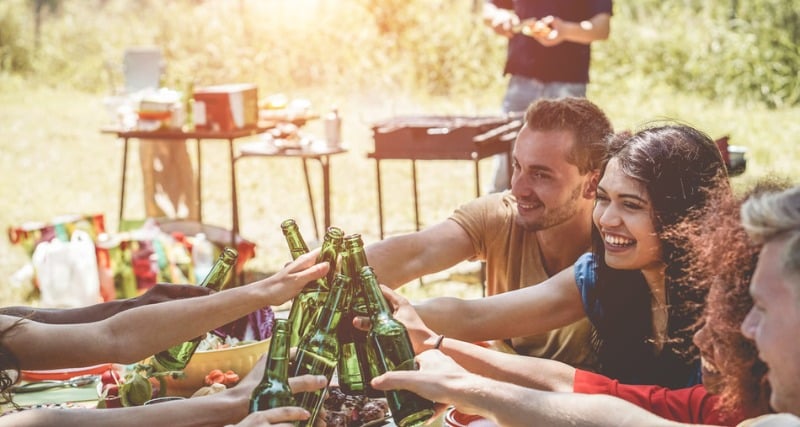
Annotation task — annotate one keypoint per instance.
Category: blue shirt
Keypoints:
(586, 279)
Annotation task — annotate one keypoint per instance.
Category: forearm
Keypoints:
(66, 316)
(518, 406)
(214, 410)
(195, 318)
(392, 260)
(585, 32)
(541, 374)
(134, 334)
(451, 317)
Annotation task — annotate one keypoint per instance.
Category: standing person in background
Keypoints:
(548, 53)
(169, 181)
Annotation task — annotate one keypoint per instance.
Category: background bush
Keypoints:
(742, 50)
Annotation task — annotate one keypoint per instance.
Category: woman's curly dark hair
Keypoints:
(679, 167)
(8, 364)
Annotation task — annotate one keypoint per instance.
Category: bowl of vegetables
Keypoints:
(233, 361)
(226, 355)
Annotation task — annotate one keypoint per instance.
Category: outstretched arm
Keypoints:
(536, 309)
(442, 380)
(401, 259)
(159, 293)
(142, 331)
(526, 371)
(227, 407)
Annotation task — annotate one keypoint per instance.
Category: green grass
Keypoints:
(372, 59)
(55, 161)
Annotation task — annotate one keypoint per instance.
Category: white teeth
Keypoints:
(618, 241)
(708, 366)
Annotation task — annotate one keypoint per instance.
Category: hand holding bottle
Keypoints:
(288, 282)
(439, 379)
(405, 313)
(275, 416)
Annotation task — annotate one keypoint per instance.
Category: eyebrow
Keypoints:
(626, 195)
(534, 167)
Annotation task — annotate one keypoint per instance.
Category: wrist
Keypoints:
(433, 342)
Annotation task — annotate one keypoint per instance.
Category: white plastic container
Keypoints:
(202, 256)
(333, 128)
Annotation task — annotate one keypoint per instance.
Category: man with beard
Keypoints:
(528, 234)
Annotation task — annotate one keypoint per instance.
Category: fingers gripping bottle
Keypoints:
(318, 351)
(353, 367)
(390, 349)
(313, 294)
(273, 391)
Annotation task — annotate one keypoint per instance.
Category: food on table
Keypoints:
(342, 410)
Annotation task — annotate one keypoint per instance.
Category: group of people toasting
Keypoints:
(635, 284)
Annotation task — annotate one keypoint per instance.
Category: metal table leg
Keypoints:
(122, 189)
(311, 198)
(234, 208)
(200, 177)
(325, 165)
(416, 191)
(477, 179)
(380, 197)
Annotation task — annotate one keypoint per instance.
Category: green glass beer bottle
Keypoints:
(297, 245)
(390, 349)
(318, 351)
(313, 294)
(273, 391)
(176, 357)
(353, 367)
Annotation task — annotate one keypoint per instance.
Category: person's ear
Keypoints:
(590, 190)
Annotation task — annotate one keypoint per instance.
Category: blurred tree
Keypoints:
(38, 10)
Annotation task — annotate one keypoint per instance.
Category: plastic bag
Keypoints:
(67, 271)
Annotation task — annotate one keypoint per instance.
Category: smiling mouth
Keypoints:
(618, 242)
(527, 206)
(708, 366)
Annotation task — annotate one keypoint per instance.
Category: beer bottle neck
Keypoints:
(219, 272)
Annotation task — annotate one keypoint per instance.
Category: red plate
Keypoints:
(453, 418)
(65, 374)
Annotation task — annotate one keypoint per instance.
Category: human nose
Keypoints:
(519, 186)
(749, 324)
(607, 215)
(700, 337)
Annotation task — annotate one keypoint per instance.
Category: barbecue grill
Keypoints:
(440, 138)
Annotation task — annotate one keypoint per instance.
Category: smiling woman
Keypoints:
(642, 304)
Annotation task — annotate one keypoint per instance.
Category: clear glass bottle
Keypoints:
(390, 349)
(175, 358)
(273, 391)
